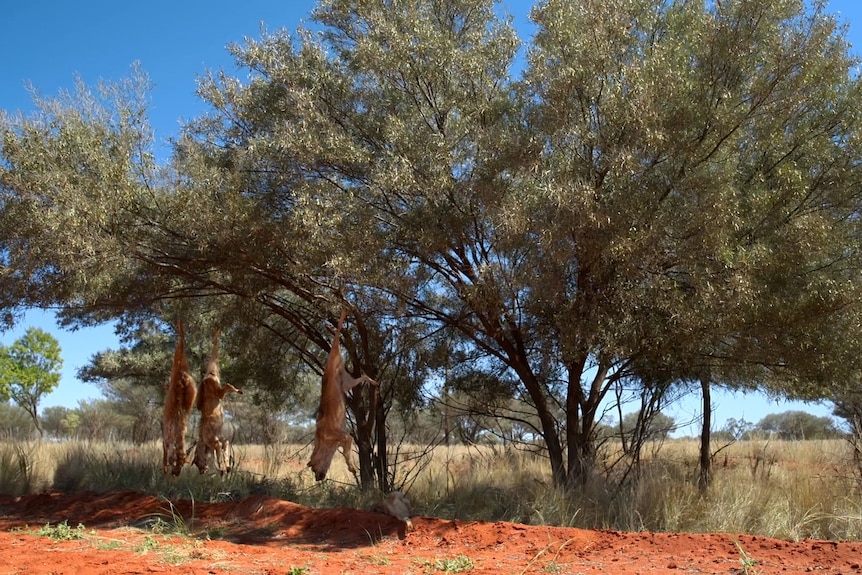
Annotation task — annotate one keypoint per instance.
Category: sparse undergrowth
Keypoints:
(173, 543)
(62, 532)
(458, 564)
(790, 490)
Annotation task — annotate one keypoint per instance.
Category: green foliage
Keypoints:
(62, 531)
(30, 369)
(170, 522)
(60, 422)
(99, 420)
(747, 562)
(15, 422)
(666, 194)
(459, 564)
(798, 425)
(658, 427)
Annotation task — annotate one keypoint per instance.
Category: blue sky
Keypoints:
(47, 43)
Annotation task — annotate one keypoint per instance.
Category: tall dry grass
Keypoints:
(790, 490)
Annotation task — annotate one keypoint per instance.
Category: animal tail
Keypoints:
(212, 365)
(181, 364)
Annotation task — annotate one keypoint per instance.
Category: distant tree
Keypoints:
(798, 425)
(59, 421)
(99, 421)
(30, 369)
(734, 430)
(15, 422)
(257, 423)
(658, 427)
(848, 406)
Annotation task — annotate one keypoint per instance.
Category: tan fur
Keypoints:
(180, 397)
(396, 505)
(331, 432)
(209, 401)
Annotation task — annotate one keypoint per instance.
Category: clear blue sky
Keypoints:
(48, 42)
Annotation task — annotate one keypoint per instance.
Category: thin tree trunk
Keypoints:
(381, 459)
(365, 419)
(705, 456)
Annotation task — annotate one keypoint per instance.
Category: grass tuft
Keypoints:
(62, 532)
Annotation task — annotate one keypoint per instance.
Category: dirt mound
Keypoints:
(262, 535)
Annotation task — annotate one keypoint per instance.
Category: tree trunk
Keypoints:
(517, 359)
(33, 409)
(582, 460)
(365, 419)
(549, 434)
(518, 362)
(705, 457)
(381, 459)
(581, 412)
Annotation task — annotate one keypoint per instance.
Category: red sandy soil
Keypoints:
(266, 536)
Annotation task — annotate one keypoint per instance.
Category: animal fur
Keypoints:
(180, 397)
(211, 437)
(331, 432)
(396, 505)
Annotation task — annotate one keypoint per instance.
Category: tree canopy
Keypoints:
(657, 192)
(30, 369)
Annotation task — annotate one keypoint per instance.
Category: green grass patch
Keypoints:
(62, 532)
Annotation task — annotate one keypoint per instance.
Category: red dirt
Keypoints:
(262, 535)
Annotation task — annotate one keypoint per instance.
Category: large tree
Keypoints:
(699, 162)
(668, 193)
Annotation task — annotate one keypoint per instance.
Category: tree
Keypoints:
(15, 422)
(30, 369)
(659, 427)
(60, 422)
(798, 425)
(848, 406)
(668, 194)
(98, 421)
(693, 152)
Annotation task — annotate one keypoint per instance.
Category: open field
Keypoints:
(791, 490)
(104, 508)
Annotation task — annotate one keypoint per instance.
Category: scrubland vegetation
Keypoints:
(785, 489)
(529, 249)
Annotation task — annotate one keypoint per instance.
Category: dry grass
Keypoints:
(791, 490)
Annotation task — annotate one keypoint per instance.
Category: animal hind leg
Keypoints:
(225, 453)
(219, 456)
(202, 457)
(346, 444)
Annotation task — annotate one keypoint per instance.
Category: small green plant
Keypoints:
(378, 559)
(179, 522)
(62, 532)
(108, 545)
(174, 555)
(747, 561)
(459, 564)
(148, 544)
(170, 522)
(297, 571)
